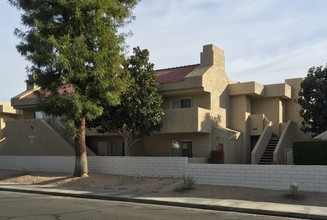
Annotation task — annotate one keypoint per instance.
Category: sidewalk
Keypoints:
(263, 208)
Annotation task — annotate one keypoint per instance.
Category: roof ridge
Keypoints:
(176, 67)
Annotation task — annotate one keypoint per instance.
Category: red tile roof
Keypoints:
(174, 74)
(63, 90)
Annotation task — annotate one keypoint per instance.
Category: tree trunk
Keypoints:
(126, 145)
(127, 141)
(81, 168)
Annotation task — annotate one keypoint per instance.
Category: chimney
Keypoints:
(30, 85)
(212, 55)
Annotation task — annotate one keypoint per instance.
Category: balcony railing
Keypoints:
(184, 120)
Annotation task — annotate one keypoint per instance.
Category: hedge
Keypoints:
(310, 152)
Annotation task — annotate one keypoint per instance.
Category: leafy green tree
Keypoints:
(139, 113)
(313, 100)
(75, 44)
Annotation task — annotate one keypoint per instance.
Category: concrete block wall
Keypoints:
(277, 177)
(129, 166)
(139, 166)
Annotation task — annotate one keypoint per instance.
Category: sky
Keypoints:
(266, 41)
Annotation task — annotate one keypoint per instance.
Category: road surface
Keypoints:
(17, 206)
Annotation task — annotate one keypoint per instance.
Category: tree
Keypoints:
(139, 113)
(75, 44)
(313, 100)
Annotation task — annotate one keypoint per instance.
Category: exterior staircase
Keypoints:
(61, 129)
(268, 154)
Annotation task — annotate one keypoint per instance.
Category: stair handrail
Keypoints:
(285, 141)
(265, 121)
(261, 144)
(60, 128)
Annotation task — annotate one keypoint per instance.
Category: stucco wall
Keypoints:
(271, 108)
(239, 114)
(160, 144)
(278, 90)
(7, 113)
(29, 113)
(230, 143)
(183, 120)
(292, 110)
(215, 81)
(3, 120)
(34, 137)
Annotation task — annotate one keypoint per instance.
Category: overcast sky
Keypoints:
(264, 40)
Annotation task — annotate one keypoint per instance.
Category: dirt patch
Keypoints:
(163, 186)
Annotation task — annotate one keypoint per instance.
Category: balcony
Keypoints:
(255, 89)
(186, 120)
(278, 90)
(247, 88)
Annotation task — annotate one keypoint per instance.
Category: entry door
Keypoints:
(187, 150)
(117, 148)
(103, 148)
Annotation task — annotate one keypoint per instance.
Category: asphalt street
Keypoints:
(16, 206)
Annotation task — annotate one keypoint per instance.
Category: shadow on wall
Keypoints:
(225, 142)
(210, 121)
(224, 99)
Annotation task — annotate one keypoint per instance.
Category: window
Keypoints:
(40, 115)
(115, 148)
(182, 150)
(187, 150)
(176, 149)
(103, 148)
(181, 103)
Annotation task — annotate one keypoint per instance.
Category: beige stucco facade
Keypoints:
(7, 113)
(223, 113)
(25, 137)
(206, 112)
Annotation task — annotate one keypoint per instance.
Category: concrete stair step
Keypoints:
(268, 155)
(265, 163)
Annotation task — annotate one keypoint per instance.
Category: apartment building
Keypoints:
(207, 114)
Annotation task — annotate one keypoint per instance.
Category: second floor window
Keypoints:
(181, 103)
(40, 115)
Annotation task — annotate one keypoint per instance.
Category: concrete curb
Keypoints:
(161, 201)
